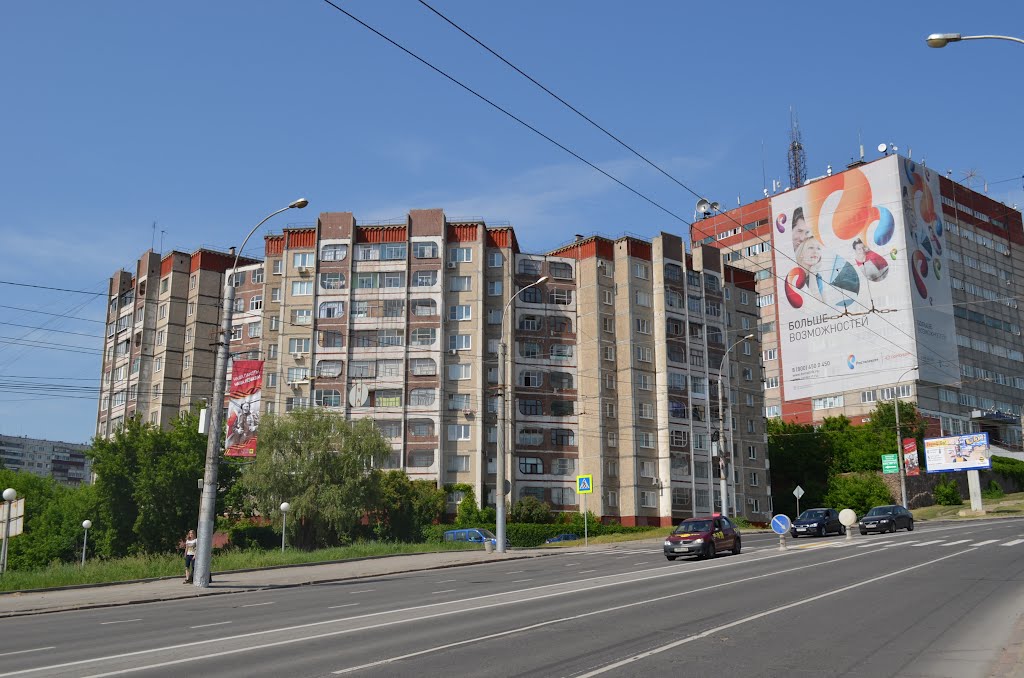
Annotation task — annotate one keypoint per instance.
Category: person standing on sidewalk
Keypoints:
(190, 555)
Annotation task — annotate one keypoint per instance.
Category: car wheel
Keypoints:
(842, 529)
(709, 552)
(736, 546)
(892, 527)
(821, 531)
(863, 532)
(671, 557)
(910, 527)
(793, 534)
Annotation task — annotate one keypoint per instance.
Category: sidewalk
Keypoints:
(109, 595)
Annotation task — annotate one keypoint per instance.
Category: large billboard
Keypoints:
(957, 453)
(243, 408)
(862, 288)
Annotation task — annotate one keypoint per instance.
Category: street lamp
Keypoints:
(85, 540)
(721, 433)
(499, 480)
(899, 438)
(285, 506)
(10, 494)
(208, 502)
(938, 40)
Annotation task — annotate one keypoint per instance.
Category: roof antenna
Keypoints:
(797, 155)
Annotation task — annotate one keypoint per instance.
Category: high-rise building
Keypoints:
(162, 325)
(64, 462)
(885, 281)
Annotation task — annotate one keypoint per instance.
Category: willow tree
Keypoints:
(322, 465)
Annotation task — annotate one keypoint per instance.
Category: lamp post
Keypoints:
(85, 540)
(499, 480)
(899, 438)
(208, 502)
(939, 40)
(10, 494)
(722, 470)
(285, 506)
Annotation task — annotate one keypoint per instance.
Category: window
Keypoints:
(608, 297)
(643, 354)
(302, 316)
(529, 266)
(643, 381)
(332, 281)
(254, 329)
(423, 336)
(460, 312)
(771, 354)
(425, 279)
(388, 398)
(332, 309)
(302, 288)
(771, 382)
(530, 379)
(649, 499)
(562, 408)
(165, 284)
(772, 411)
(643, 299)
(560, 270)
(423, 367)
(645, 410)
(458, 431)
(677, 438)
(867, 396)
(303, 260)
(236, 333)
(423, 307)
(422, 396)
(531, 465)
(298, 345)
(333, 252)
(563, 496)
(460, 283)
(765, 300)
(494, 259)
(753, 479)
(608, 353)
(460, 342)
(609, 409)
(559, 296)
(460, 372)
(458, 401)
(494, 288)
(530, 407)
(561, 351)
(327, 398)
(424, 250)
(643, 326)
(460, 254)
(563, 437)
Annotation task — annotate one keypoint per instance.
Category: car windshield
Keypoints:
(881, 511)
(693, 526)
(813, 514)
(487, 534)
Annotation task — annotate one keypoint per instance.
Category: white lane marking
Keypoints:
(121, 621)
(571, 564)
(864, 546)
(520, 581)
(622, 557)
(445, 581)
(203, 626)
(958, 541)
(986, 542)
(335, 607)
(37, 649)
(712, 631)
(445, 591)
(366, 591)
(258, 604)
(1014, 542)
(586, 571)
(639, 576)
(930, 543)
(583, 615)
(642, 562)
(512, 572)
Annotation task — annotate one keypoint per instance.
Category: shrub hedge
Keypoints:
(532, 534)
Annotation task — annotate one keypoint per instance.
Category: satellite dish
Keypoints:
(703, 206)
(715, 207)
(357, 395)
(882, 148)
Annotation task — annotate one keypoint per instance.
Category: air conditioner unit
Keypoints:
(453, 351)
(451, 264)
(468, 413)
(298, 356)
(303, 270)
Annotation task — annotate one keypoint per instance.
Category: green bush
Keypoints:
(857, 491)
(993, 491)
(527, 535)
(247, 535)
(1010, 468)
(530, 510)
(947, 493)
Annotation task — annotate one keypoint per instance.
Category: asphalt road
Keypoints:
(940, 601)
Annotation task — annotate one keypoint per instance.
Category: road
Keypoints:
(943, 600)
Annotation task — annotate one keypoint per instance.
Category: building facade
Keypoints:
(66, 463)
(936, 277)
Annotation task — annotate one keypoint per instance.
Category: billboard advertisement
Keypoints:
(911, 465)
(862, 291)
(243, 408)
(957, 453)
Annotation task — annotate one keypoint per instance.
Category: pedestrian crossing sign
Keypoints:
(585, 484)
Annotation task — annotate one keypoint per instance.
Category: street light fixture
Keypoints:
(208, 502)
(85, 540)
(10, 494)
(722, 470)
(285, 507)
(899, 438)
(939, 40)
(499, 480)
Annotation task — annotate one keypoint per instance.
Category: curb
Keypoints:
(246, 589)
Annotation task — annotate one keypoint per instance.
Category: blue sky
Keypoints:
(205, 116)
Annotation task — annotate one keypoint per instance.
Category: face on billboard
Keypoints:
(844, 283)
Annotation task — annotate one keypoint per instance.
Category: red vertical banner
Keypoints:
(910, 463)
(243, 408)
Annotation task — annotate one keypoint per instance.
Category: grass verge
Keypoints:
(152, 566)
(660, 532)
(1008, 505)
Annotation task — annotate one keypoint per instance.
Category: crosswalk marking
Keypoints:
(1014, 542)
(929, 543)
(959, 541)
(986, 542)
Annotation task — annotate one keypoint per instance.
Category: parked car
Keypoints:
(886, 519)
(473, 535)
(819, 521)
(562, 537)
(702, 537)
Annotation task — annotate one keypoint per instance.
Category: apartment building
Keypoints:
(939, 299)
(66, 463)
(160, 345)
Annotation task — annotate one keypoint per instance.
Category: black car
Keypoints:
(887, 519)
(562, 537)
(819, 521)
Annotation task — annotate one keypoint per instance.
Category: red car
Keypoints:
(702, 537)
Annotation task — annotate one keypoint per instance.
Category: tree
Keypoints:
(883, 424)
(857, 491)
(529, 509)
(400, 508)
(799, 457)
(468, 513)
(321, 464)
